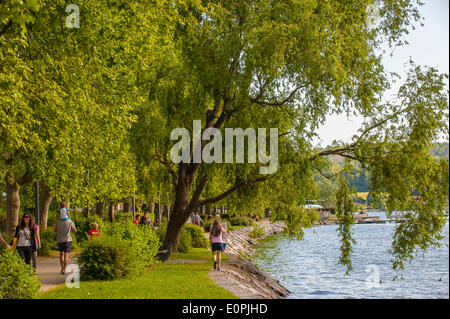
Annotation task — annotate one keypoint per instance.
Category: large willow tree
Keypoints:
(287, 65)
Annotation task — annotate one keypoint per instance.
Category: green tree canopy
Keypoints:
(288, 64)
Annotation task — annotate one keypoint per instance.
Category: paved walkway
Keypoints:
(49, 269)
(222, 279)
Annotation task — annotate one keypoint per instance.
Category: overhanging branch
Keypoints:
(232, 189)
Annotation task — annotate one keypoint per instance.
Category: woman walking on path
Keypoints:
(215, 236)
(27, 236)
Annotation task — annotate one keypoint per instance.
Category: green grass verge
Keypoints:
(196, 254)
(163, 281)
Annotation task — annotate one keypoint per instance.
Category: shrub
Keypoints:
(185, 243)
(52, 218)
(104, 258)
(191, 236)
(162, 233)
(207, 225)
(82, 225)
(257, 232)
(7, 238)
(122, 245)
(17, 279)
(143, 239)
(241, 221)
(124, 216)
(48, 241)
(198, 237)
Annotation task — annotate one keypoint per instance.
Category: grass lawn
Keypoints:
(197, 254)
(163, 281)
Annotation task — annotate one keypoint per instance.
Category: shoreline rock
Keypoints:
(239, 275)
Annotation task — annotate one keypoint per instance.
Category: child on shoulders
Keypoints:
(64, 211)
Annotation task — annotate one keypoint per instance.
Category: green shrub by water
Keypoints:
(198, 237)
(191, 237)
(256, 232)
(241, 221)
(122, 249)
(17, 279)
(185, 242)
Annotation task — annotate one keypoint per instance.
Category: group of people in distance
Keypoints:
(27, 242)
(145, 220)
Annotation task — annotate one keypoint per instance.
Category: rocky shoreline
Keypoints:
(239, 275)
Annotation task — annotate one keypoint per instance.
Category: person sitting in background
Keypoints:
(156, 224)
(94, 232)
(145, 220)
(136, 221)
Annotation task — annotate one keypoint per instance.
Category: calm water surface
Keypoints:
(310, 269)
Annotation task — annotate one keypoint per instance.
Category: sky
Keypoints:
(428, 45)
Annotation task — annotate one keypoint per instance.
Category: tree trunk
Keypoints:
(152, 207)
(126, 205)
(100, 209)
(165, 212)
(12, 207)
(45, 199)
(86, 211)
(174, 228)
(111, 212)
(180, 214)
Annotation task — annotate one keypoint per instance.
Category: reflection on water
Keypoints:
(310, 269)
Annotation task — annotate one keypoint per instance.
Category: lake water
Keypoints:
(310, 269)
